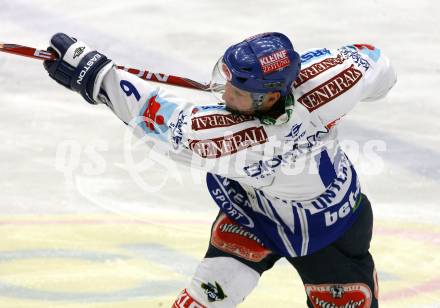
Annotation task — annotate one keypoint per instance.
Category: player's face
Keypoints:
(237, 100)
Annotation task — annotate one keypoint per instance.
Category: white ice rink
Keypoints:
(84, 225)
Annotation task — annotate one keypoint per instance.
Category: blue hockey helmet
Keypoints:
(262, 63)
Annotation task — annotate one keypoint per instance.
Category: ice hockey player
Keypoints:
(284, 186)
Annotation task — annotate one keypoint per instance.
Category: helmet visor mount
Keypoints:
(219, 78)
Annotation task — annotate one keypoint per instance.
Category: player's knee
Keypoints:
(218, 282)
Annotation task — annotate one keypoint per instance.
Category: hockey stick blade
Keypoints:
(146, 75)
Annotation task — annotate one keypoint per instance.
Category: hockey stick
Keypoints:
(146, 75)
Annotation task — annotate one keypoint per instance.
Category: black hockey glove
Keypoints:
(78, 68)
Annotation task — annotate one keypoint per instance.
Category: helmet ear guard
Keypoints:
(257, 100)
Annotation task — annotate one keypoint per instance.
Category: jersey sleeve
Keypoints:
(381, 77)
(331, 83)
(206, 136)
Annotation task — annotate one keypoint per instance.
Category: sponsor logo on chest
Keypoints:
(218, 120)
(214, 148)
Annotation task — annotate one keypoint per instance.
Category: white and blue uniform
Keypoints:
(287, 180)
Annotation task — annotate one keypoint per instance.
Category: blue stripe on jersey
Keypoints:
(326, 169)
(283, 232)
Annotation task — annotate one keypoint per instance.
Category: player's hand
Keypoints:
(78, 67)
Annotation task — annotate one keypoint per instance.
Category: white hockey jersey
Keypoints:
(287, 180)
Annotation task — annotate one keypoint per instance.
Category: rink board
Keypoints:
(126, 261)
